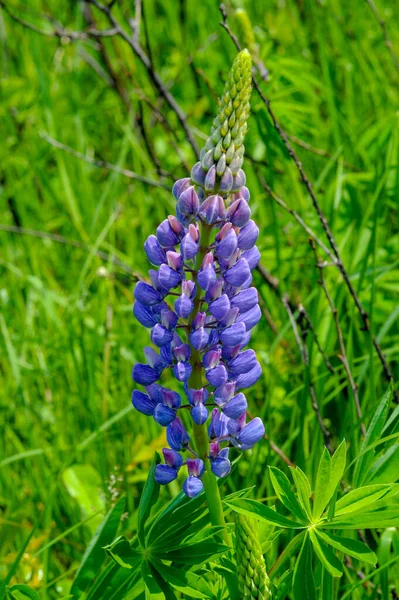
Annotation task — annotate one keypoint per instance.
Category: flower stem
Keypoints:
(196, 382)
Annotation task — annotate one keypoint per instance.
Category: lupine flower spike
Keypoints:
(205, 254)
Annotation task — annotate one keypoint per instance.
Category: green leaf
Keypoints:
(326, 555)
(22, 592)
(288, 551)
(282, 487)
(348, 546)
(303, 488)
(373, 433)
(384, 554)
(284, 585)
(95, 555)
(187, 582)
(83, 483)
(123, 554)
(338, 462)
(322, 489)
(257, 510)
(385, 469)
(364, 520)
(147, 500)
(360, 498)
(194, 554)
(303, 584)
(157, 581)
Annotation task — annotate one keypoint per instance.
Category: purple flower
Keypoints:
(250, 434)
(217, 376)
(165, 474)
(246, 380)
(245, 300)
(160, 336)
(168, 278)
(234, 335)
(192, 486)
(176, 435)
(243, 362)
(220, 307)
(195, 467)
(251, 317)
(239, 212)
(156, 255)
(182, 371)
(146, 294)
(144, 314)
(143, 403)
(179, 186)
(144, 374)
(220, 464)
(199, 414)
(238, 274)
(235, 407)
(164, 415)
(199, 338)
(166, 235)
(248, 235)
(188, 201)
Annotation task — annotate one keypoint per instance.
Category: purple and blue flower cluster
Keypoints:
(200, 304)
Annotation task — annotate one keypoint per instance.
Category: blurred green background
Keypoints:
(72, 234)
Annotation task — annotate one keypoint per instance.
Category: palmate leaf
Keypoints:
(303, 583)
(388, 517)
(282, 487)
(351, 547)
(194, 554)
(325, 555)
(373, 433)
(360, 498)
(122, 552)
(321, 493)
(303, 489)
(187, 582)
(257, 510)
(329, 474)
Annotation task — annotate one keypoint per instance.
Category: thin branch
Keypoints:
(154, 76)
(59, 239)
(324, 223)
(304, 314)
(103, 164)
(297, 217)
(387, 39)
(58, 31)
(343, 356)
(305, 359)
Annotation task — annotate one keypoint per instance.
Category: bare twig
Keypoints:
(304, 314)
(387, 39)
(343, 356)
(305, 359)
(297, 217)
(103, 164)
(323, 221)
(59, 239)
(58, 31)
(154, 76)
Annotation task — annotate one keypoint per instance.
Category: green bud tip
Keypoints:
(230, 125)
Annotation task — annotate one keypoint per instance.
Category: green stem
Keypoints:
(196, 382)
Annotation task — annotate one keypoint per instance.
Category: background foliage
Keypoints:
(71, 239)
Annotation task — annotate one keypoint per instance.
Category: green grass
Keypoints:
(68, 337)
